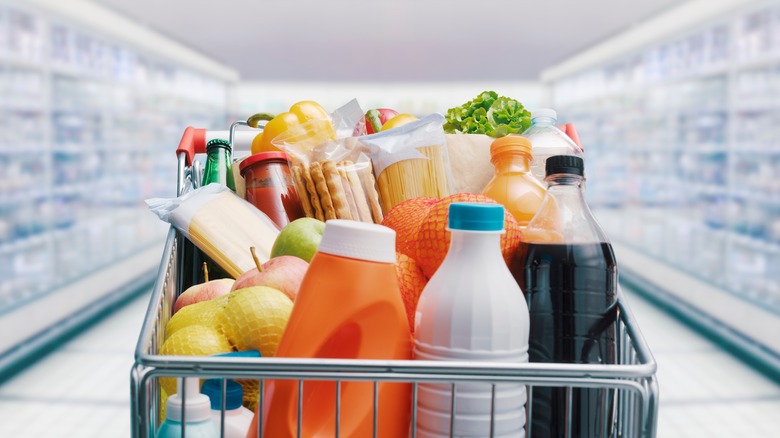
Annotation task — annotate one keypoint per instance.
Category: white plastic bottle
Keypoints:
(547, 140)
(237, 417)
(192, 407)
(472, 309)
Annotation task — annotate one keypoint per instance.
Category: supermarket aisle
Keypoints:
(82, 389)
(705, 391)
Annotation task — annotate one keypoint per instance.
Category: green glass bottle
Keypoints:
(218, 164)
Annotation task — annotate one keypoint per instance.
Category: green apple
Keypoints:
(299, 238)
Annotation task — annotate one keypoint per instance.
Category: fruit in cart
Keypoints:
(398, 120)
(206, 313)
(194, 340)
(255, 318)
(373, 121)
(411, 282)
(203, 292)
(405, 219)
(432, 241)
(306, 121)
(284, 273)
(299, 238)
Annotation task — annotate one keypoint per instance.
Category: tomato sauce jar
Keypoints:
(270, 188)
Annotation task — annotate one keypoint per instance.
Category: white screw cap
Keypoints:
(358, 240)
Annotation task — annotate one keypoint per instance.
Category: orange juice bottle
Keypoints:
(348, 307)
(513, 185)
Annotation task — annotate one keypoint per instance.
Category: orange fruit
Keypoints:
(405, 219)
(432, 240)
(411, 282)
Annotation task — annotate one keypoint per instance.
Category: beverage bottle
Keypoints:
(472, 310)
(190, 408)
(349, 307)
(237, 417)
(513, 185)
(566, 267)
(218, 164)
(547, 140)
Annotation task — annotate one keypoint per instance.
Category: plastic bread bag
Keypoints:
(220, 224)
(411, 161)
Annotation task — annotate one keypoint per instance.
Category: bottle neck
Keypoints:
(217, 168)
(512, 162)
(486, 245)
(543, 121)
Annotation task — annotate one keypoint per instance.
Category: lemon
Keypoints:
(255, 318)
(206, 313)
(194, 340)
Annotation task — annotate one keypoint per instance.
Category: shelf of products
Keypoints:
(86, 124)
(684, 136)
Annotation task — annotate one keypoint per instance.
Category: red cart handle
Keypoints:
(194, 140)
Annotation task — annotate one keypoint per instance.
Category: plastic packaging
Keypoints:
(348, 307)
(220, 224)
(567, 270)
(513, 185)
(269, 187)
(472, 309)
(237, 417)
(411, 161)
(547, 140)
(197, 415)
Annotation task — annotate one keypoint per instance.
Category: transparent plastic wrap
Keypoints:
(220, 224)
(334, 179)
(411, 161)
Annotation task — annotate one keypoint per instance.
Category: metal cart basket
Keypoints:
(632, 379)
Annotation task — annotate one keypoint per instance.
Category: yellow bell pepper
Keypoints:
(296, 123)
(398, 120)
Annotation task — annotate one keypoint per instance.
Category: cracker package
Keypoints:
(220, 224)
(410, 161)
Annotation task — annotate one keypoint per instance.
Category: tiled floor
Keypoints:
(82, 389)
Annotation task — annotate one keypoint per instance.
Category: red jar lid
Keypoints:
(258, 157)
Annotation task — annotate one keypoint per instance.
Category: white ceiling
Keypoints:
(395, 41)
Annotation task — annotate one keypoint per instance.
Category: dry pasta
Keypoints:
(411, 178)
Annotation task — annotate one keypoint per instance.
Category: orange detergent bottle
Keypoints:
(513, 185)
(348, 307)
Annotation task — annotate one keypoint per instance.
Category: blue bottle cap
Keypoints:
(473, 216)
(233, 392)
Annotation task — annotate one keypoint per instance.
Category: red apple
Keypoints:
(203, 292)
(283, 273)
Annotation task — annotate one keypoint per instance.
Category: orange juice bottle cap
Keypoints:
(510, 143)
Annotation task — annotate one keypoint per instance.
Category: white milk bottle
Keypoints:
(472, 310)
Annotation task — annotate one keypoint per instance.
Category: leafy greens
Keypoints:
(489, 114)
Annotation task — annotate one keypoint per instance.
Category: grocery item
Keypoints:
(410, 161)
(348, 307)
(283, 273)
(237, 417)
(398, 120)
(218, 162)
(513, 186)
(405, 219)
(432, 241)
(192, 340)
(203, 292)
(221, 224)
(472, 310)
(373, 121)
(411, 281)
(300, 238)
(307, 121)
(269, 187)
(469, 156)
(254, 318)
(194, 408)
(547, 140)
(488, 114)
(566, 267)
(205, 313)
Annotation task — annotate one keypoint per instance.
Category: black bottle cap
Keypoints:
(564, 164)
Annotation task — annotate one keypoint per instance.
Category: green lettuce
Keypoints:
(489, 114)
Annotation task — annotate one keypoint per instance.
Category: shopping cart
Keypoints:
(632, 379)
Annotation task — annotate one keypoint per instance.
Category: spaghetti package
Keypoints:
(410, 161)
(220, 224)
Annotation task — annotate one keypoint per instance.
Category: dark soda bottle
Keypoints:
(566, 268)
